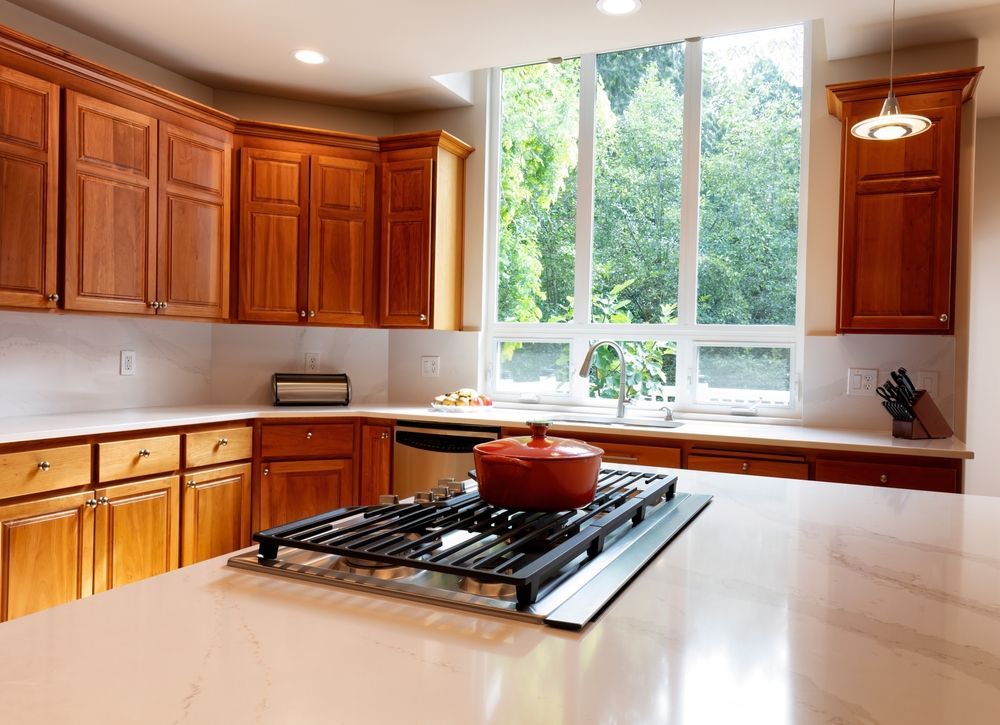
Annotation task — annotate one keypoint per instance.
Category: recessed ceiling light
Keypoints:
(312, 57)
(618, 7)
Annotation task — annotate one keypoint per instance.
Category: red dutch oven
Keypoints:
(537, 473)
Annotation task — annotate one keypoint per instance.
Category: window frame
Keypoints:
(687, 334)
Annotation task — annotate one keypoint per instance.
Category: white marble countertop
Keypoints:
(784, 602)
(46, 427)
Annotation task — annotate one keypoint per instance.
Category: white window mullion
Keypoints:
(585, 190)
(687, 289)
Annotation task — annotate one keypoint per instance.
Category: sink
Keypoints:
(611, 420)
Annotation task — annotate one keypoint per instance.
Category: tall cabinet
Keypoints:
(899, 207)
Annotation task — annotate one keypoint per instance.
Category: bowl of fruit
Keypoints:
(463, 400)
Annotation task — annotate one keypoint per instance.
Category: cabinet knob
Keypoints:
(309, 435)
(745, 466)
(267, 471)
(163, 305)
(143, 453)
(223, 441)
(423, 317)
(383, 435)
(53, 297)
(90, 503)
(884, 478)
(943, 318)
(155, 305)
(44, 465)
(312, 313)
(191, 483)
(103, 501)
(302, 313)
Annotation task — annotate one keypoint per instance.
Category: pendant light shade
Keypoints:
(891, 123)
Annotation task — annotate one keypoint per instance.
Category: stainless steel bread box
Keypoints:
(311, 389)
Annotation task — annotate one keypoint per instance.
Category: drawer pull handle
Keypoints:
(884, 478)
(143, 453)
(44, 465)
(90, 503)
(745, 466)
(267, 471)
(309, 435)
(103, 500)
(223, 441)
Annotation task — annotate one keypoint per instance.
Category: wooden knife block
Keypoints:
(927, 423)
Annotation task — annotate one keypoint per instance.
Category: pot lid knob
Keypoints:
(539, 427)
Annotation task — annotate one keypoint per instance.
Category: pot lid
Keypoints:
(539, 445)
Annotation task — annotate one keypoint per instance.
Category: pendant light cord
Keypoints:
(892, 44)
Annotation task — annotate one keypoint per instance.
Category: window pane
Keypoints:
(540, 108)
(650, 365)
(637, 184)
(750, 141)
(744, 375)
(533, 367)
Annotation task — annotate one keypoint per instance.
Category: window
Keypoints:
(651, 196)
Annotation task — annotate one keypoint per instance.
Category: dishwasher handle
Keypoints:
(441, 442)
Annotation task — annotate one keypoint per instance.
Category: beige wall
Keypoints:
(256, 107)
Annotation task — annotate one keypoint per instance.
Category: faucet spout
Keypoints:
(588, 360)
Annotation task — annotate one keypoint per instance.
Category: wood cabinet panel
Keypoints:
(211, 447)
(273, 235)
(193, 239)
(342, 241)
(893, 475)
(45, 469)
(216, 512)
(406, 243)
(639, 454)
(137, 457)
(29, 204)
(376, 463)
(293, 490)
(748, 466)
(46, 553)
(300, 440)
(110, 207)
(137, 531)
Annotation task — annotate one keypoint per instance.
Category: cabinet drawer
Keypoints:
(749, 466)
(893, 475)
(209, 447)
(638, 454)
(304, 440)
(46, 469)
(138, 457)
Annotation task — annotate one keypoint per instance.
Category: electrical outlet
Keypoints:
(312, 362)
(126, 365)
(430, 366)
(927, 380)
(862, 381)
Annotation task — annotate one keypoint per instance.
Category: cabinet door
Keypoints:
(29, 183)
(215, 510)
(341, 241)
(46, 553)
(274, 188)
(406, 243)
(749, 466)
(137, 531)
(293, 490)
(110, 207)
(376, 462)
(193, 240)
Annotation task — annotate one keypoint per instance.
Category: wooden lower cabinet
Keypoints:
(749, 466)
(376, 462)
(137, 532)
(46, 553)
(892, 475)
(215, 508)
(292, 490)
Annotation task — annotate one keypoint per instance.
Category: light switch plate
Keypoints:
(430, 366)
(862, 381)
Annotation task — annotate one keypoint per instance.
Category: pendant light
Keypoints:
(890, 123)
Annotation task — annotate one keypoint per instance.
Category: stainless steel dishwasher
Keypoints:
(426, 452)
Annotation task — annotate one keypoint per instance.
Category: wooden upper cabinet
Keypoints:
(341, 241)
(29, 184)
(274, 187)
(898, 207)
(110, 207)
(193, 240)
(420, 259)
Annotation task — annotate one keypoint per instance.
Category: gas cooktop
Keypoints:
(449, 547)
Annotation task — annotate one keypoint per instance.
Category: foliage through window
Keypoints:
(651, 196)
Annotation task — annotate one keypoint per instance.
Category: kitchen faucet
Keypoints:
(585, 370)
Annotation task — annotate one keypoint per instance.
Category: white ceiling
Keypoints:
(384, 54)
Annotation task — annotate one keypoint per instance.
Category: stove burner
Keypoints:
(496, 590)
(374, 569)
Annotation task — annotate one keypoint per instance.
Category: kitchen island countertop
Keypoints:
(64, 425)
(784, 602)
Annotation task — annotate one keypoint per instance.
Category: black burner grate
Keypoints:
(492, 544)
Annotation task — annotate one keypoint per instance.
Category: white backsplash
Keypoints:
(64, 363)
(459, 353)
